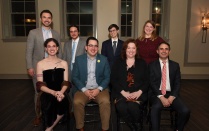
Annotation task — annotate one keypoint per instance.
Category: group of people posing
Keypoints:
(127, 70)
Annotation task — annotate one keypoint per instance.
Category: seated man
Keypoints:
(91, 76)
(165, 80)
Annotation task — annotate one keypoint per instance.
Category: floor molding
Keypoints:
(194, 76)
(14, 76)
(25, 76)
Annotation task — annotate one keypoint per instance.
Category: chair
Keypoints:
(173, 117)
(92, 112)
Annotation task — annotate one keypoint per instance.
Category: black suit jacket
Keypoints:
(155, 77)
(107, 50)
(118, 78)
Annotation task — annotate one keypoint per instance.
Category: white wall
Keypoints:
(107, 14)
(178, 33)
(198, 51)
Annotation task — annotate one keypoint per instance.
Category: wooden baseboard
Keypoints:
(14, 76)
(25, 76)
(194, 76)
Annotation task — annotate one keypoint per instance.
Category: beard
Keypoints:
(46, 23)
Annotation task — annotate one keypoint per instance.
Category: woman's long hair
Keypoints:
(154, 34)
(125, 46)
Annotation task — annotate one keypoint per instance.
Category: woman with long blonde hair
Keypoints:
(148, 42)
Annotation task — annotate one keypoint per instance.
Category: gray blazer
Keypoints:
(35, 47)
(67, 52)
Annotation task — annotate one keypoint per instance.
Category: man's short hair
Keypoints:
(91, 38)
(75, 27)
(165, 44)
(113, 25)
(46, 11)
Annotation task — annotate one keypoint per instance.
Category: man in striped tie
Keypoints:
(165, 80)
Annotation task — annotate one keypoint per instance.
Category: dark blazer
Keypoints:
(119, 77)
(107, 50)
(79, 73)
(67, 52)
(155, 77)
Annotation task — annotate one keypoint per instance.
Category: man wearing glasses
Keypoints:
(112, 47)
(91, 76)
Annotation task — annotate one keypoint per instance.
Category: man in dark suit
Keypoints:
(35, 50)
(111, 48)
(165, 87)
(91, 76)
(70, 51)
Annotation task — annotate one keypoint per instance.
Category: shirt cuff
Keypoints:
(159, 96)
(83, 89)
(100, 88)
(174, 97)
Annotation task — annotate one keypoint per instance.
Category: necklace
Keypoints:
(57, 62)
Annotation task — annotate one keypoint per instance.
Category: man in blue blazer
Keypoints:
(91, 76)
(166, 93)
(108, 45)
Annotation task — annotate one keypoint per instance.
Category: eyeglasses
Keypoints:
(96, 46)
(112, 30)
(74, 31)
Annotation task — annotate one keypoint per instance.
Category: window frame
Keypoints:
(63, 14)
(6, 22)
(165, 19)
(134, 16)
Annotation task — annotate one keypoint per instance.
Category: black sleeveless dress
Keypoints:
(49, 105)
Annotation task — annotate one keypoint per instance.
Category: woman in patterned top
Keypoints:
(129, 79)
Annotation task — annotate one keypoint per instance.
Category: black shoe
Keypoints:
(131, 126)
(137, 126)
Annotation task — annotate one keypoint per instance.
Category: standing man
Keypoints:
(112, 47)
(165, 80)
(73, 48)
(91, 76)
(35, 51)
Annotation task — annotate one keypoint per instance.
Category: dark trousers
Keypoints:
(129, 111)
(177, 105)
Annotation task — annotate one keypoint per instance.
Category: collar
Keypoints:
(45, 29)
(88, 57)
(76, 40)
(114, 39)
(162, 61)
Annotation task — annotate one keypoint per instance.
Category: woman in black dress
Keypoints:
(52, 77)
(129, 79)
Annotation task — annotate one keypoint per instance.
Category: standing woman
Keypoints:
(148, 42)
(129, 79)
(52, 77)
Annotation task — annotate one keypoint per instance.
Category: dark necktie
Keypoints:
(114, 47)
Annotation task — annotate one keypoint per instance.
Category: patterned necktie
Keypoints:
(114, 47)
(73, 54)
(163, 86)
